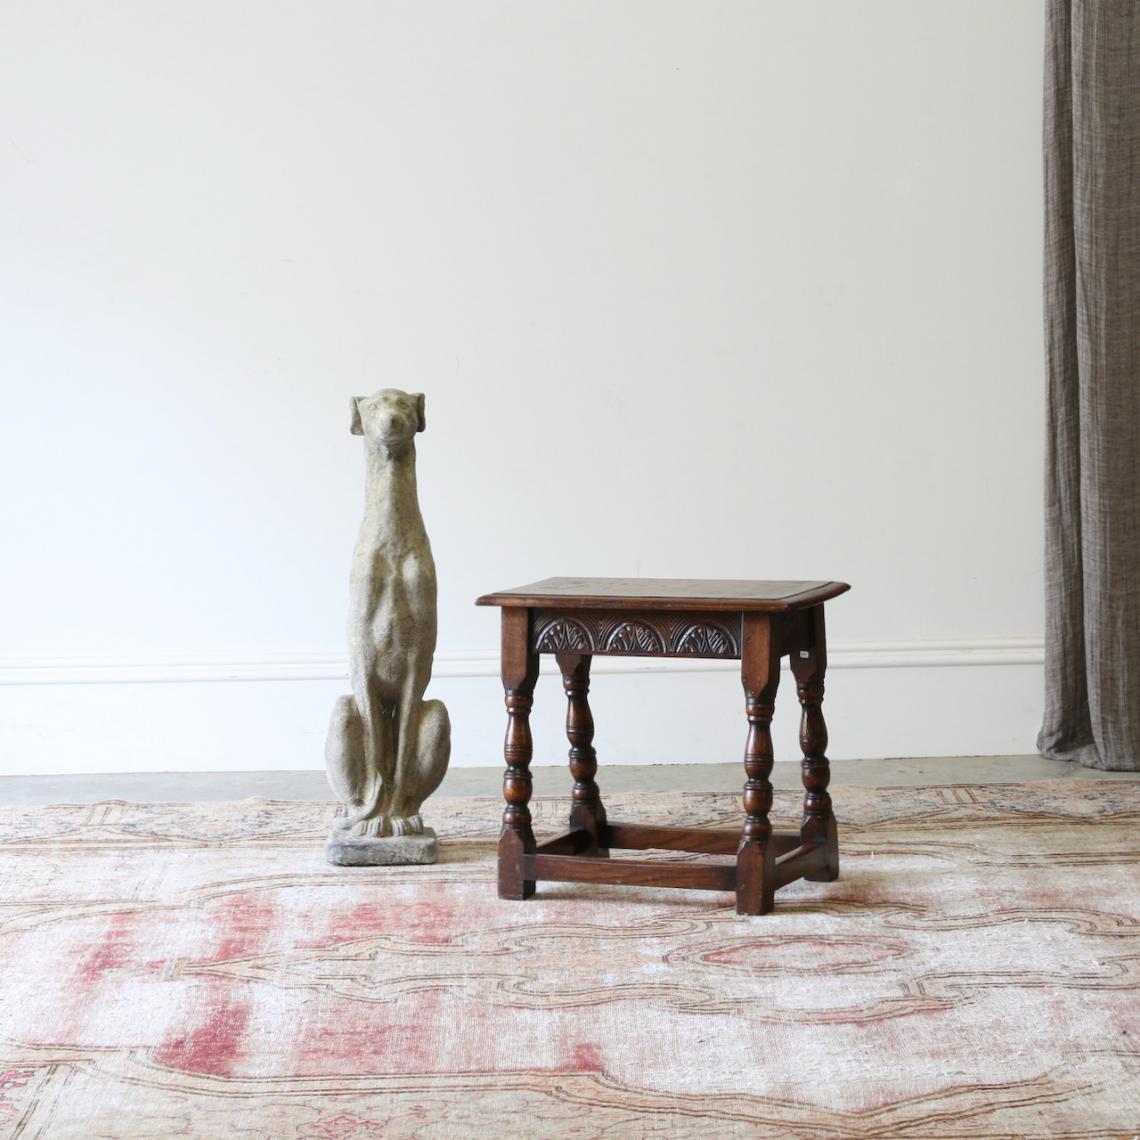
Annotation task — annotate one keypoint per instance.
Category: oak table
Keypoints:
(756, 623)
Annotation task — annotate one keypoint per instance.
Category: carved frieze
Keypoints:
(635, 637)
(645, 635)
(708, 639)
(563, 635)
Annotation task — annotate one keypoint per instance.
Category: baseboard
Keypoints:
(215, 668)
(235, 713)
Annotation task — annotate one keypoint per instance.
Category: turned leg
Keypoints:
(587, 811)
(520, 672)
(756, 854)
(809, 666)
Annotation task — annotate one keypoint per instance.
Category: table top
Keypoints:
(725, 594)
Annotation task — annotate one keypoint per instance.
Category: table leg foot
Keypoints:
(512, 847)
(755, 878)
(830, 840)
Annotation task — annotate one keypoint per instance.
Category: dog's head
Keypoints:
(389, 417)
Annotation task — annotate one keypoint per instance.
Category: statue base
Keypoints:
(386, 851)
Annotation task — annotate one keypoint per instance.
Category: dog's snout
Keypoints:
(393, 424)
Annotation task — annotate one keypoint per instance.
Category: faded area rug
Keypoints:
(198, 970)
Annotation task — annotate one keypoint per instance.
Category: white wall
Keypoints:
(732, 289)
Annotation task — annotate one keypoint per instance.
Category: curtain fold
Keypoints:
(1092, 342)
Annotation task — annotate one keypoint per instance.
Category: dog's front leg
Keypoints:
(367, 808)
(403, 805)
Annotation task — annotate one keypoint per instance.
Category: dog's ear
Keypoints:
(421, 423)
(357, 428)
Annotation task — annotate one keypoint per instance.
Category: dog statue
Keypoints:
(388, 748)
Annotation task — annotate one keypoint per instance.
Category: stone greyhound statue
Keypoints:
(388, 748)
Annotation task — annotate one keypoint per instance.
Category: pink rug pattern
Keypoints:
(198, 970)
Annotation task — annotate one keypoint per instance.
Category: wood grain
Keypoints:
(668, 594)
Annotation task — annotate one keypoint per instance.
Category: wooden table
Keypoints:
(756, 623)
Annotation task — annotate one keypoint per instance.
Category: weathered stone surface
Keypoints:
(387, 748)
(387, 851)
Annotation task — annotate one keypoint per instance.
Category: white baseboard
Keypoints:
(481, 663)
(232, 712)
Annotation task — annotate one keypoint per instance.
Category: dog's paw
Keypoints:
(370, 827)
(406, 825)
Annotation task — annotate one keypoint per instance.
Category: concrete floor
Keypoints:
(190, 786)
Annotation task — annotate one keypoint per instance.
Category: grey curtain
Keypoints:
(1092, 337)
